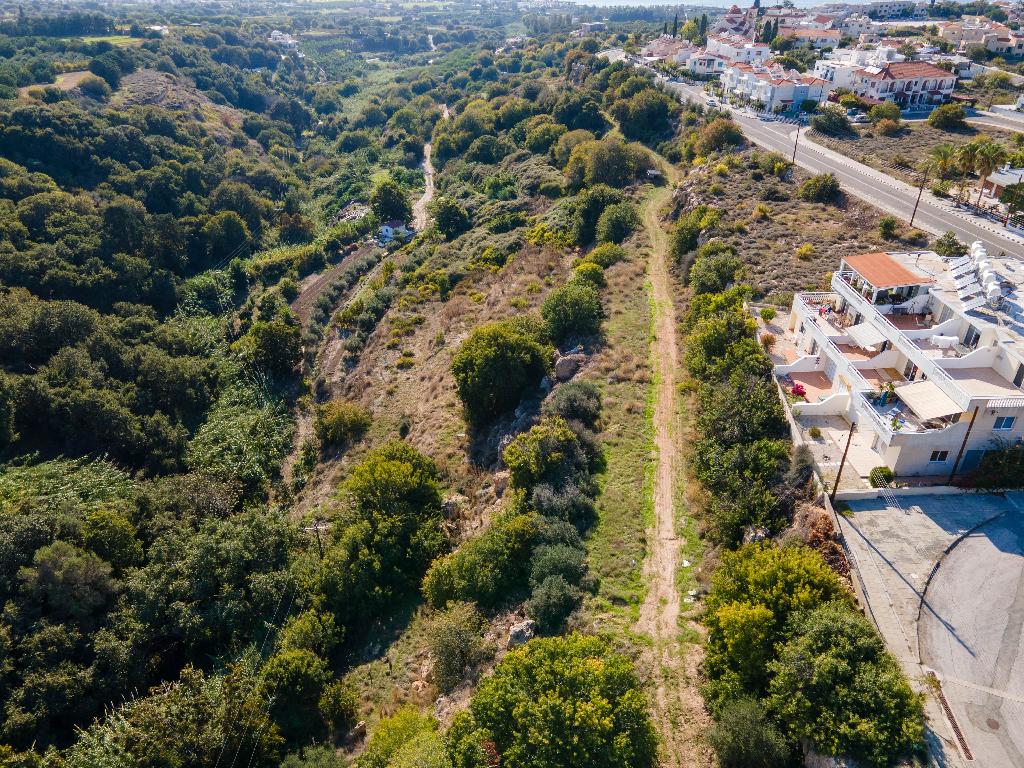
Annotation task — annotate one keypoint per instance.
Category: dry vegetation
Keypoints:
(898, 154)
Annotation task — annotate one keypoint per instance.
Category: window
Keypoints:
(939, 456)
(1004, 423)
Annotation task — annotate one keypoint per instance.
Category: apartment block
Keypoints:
(925, 355)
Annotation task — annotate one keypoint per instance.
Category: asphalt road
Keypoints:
(970, 633)
(890, 195)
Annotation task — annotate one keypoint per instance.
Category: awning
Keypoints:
(926, 400)
(866, 336)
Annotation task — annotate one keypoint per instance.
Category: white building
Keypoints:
(737, 48)
(907, 83)
(856, 25)
(277, 37)
(924, 355)
(890, 9)
(818, 38)
(668, 48)
(773, 88)
(703, 63)
(839, 66)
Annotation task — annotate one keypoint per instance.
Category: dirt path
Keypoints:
(679, 711)
(419, 208)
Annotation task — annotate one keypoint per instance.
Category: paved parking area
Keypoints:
(971, 612)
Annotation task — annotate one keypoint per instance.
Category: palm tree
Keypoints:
(967, 156)
(941, 160)
(990, 157)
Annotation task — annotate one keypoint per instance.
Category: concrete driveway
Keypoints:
(970, 634)
(964, 623)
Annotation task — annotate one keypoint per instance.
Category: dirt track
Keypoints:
(678, 708)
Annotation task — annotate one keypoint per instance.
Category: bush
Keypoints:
(744, 737)
(95, 88)
(455, 639)
(830, 120)
(887, 110)
(947, 117)
(881, 477)
(574, 310)
(487, 568)
(815, 433)
(530, 693)
(339, 706)
(294, 681)
(835, 685)
(768, 314)
(617, 222)
(549, 452)
(605, 255)
(721, 133)
(949, 246)
(392, 735)
(551, 602)
(714, 269)
(340, 422)
(498, 364)
(823, 188)
(1001, 468)
(887, 227)
(575, 401)
(557, 560)
(589, 273)
(687, 231)
(887, 127)
(805, 252)
(450, 218)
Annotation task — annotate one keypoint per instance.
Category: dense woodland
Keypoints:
(174, 591)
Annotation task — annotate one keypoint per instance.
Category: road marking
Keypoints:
(984, 689)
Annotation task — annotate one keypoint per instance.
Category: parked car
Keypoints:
(859, 118)
(712, 102)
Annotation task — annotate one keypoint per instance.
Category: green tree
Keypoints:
(744, 737)
(834, 684)
(393, 735)
(226, 236)
(497, 365)
(450, 218)
(388, 201)
(560, 703)
(455, 639)
(573, 310)
(293, 680)
(617, 222)
(887, 110)
(947, 117)
(823, 188)
(273, 346)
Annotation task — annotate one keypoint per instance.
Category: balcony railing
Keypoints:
(900, 340)
(843, 364)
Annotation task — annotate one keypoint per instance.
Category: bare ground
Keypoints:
(679, 712)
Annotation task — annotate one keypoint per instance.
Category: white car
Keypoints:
(712, 102)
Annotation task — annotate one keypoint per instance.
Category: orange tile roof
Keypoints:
(883, 271)
(905, 70)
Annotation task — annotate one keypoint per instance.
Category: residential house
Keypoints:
(924, 355)
(277, 37)
(773, 87)
(737, 48)
(999, 180)
(857, 24)
(394, 229)
(736, 21)
(907, 83)
(840, 65)
(706, 64)
(668, 48)
(890, 9)
(817, 38)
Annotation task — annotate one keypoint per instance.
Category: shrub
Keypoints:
(455, 639)
(551, 602)
(487, 568)
(881, 477)
(572, 310)
(575, 401)
(687, 231)
(947, 117)
(617, 222)
(768, 314)
(394, 733)
(557, 560)
(805, 252)
(606, 254)
(887, 127)
(294, 680)
(714, 269)
(532, 689)
(1001, 468)
(590, 273)
(823, 188)
(744, 737)
(887, 227)
(549, 452)
(830, 120)
(340, 422)
(498, 364)
(95, 88)
(887, 110)
(762, 212)
(835, 685)
(339, 705)
(721, 133)
(815, 433)
(450, 218)
(949, 246)
(754, 592)
(768, 341)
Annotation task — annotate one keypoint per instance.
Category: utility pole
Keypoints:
(963, 445)
(795, 142)
(842, 463)
(920, 191)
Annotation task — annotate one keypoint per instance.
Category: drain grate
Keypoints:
(952, 720)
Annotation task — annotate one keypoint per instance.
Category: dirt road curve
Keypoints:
(679, 712)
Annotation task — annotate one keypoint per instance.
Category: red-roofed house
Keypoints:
(819, 38)
(773, 87)
(736, 48)
(907, 83)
